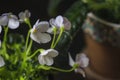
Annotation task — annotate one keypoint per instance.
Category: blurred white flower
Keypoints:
(46, 56)
(2, 62)
(60, 21)
(81, 60)
(38, 32)
(24, 15)
(10, 20)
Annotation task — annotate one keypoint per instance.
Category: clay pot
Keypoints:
(103, 48)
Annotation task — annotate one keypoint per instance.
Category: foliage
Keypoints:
(106, 9)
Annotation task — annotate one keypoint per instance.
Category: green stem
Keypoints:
(27, 21)
(4, 42)
(55, 30)
(61, 31)
(58, 69)
(39, 50)
(29, 48)
(62, 70)
(27, 39)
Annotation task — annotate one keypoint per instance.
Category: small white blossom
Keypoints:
(38, 32)
(82, 60)
(24, 15)
(10, 20)
(3, 20)
(13, 24)
(46, 56)
(60, 21)
(2, 62)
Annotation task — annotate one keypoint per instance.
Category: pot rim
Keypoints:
(92, 16)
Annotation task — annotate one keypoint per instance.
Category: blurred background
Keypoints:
(74, 10)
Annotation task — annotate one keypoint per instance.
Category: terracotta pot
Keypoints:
(103, 48)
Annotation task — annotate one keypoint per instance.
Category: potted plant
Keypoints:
(102, 37)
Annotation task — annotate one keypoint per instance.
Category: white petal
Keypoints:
(3, 20)
(35, 36)
(40, 37)
(44, 38)
(42, 26)
(81, 71)
(67, 24)
(44, 53)
(27, 13)
(50, 30)
(41, 59)
(13, 24)
(49, 61)
(0, 29)
(36, 23)
(52, 22)
(82, 60)
(71, 61)
(2, 63)
(59, 21)
(52, 52)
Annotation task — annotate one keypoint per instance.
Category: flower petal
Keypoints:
(3, 20)
(24, 15)
(81, 71)
(52, 22)
(2, 63)
(67, 24)
(40, 37)
(41, 59)
(42, 26)
(82, 60)
(59, 21)
(13, 24)
(35, 36)
(27, 13)
(49, 61)
(45, 38)
(71, 61)
(52, 52)
(0, 29)
(50, 30)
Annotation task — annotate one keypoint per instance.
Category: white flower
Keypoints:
(3, 20)
(38, 32)
(10, 20)
(82, 60)
(46, 56)
(2, 62)
(13, 24)
(60, 21)
(24, 15)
